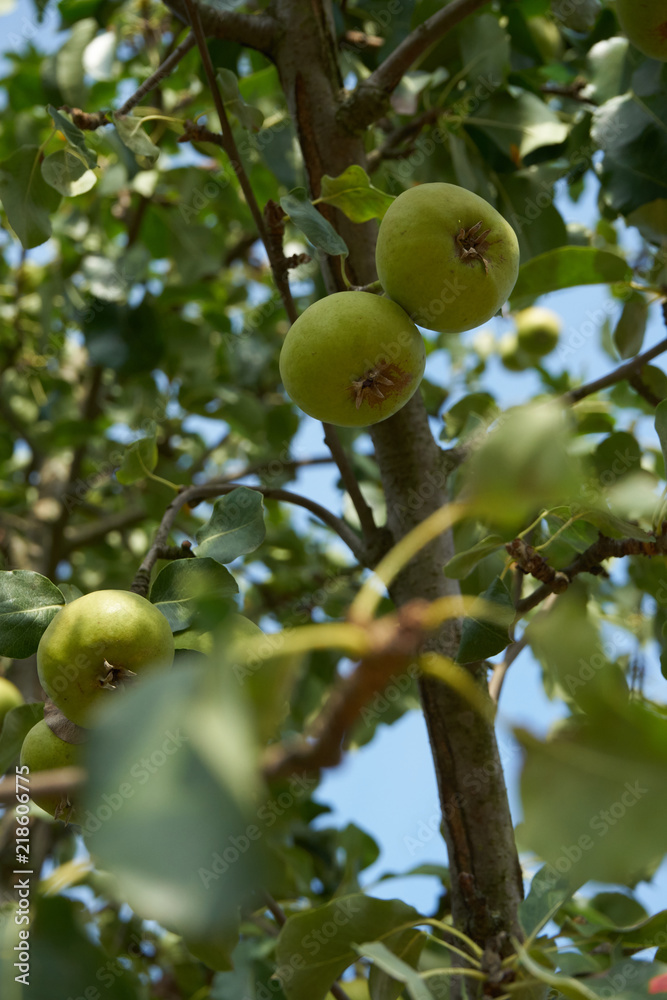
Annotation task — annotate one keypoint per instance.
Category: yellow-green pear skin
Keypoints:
(538, 330)
(42, 750)
(447, 257)
(645, 24)
(352, 359)
(95, 644)
(10, 697)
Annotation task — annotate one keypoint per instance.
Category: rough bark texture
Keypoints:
(486, 878)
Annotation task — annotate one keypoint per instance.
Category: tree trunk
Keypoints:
(485, 872)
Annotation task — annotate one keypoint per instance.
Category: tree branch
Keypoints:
(623, 372)
(159, 75)
(254, 31)
(56, 782)
(194, 494)
(364, 512)
(228, 143)
(369, 100)
(590, 561)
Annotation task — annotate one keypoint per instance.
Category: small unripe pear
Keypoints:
(645, 24)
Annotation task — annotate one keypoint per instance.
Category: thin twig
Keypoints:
(621, 373)
(228, 143)
(194, 494)
(159, 75)
(369, 100)
(364, 512)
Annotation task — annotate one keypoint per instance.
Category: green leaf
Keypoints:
(236, 526)
(548, 892)
(65, 171)
(27, 199)
(567, 267)
(463, 563)
(661, 427)
(56, 932)
(595, 796)
(407, 946)
(313, 225)
(18, 722)
(632, 131)
(480, 637)
(179, 587)
(176, 754)
(250, 118)
(324, 955)
(631, 327)
(518, 124)
(28, 602)
(139, 458)
(74, 135)
(395, 967)
(355, 196)
(133, 136)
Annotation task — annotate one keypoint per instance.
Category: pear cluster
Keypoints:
(447, 261)
(91, 649)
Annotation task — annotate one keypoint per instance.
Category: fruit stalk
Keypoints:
(486, 879)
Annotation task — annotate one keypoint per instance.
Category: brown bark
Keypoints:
(486, 878)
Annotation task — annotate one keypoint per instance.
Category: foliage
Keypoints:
(140, 329)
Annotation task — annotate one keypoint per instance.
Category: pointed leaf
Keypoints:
(548, 892)
(463, 563)
(236, 526)
(395, 967)
(630, 329)
(353, 193)
(27, 199)
(324, 955)
(73, 134)
(313, 225)
(481, 638)
(133, 136)
(65, 171)
(250, 118)
(661, 427)
(180, 585)
(139, 458)
(568, 267)
(28, 602)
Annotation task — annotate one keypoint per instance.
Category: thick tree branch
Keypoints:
(620, 373)
(369, 100)
(254, 31)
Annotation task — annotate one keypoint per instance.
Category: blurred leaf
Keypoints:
(595, 797)
(56, 934)
(314, 226)
(548, 891)
(630, 329)
(133, 136)
(407, 947)
(236, 526)
(69, 70)
(75, 137)
(661, 427)
(326, 956)
(28, 602)
(27, 199)
(18, 721)
(632, 131)
(567, 267)
(175, 754)
(463, 563)
(250, 118)
(480, 637)
(353, 193)
(177, 589)
(140, 457)
(67, 173)
(395, 967)
(518, 123)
